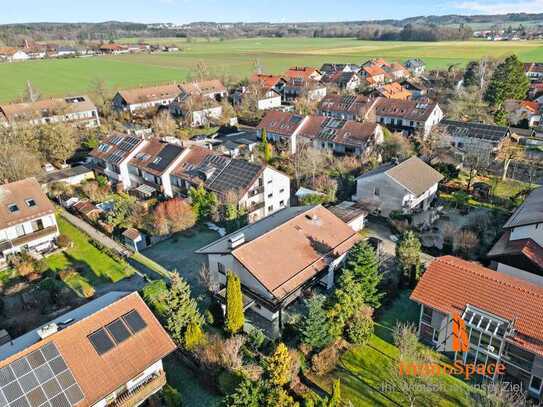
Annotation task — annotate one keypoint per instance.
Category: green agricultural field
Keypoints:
(237, 58)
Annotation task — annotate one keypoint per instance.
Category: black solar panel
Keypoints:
(168, 154)
(101, 341)
(116, 157)
(134, 321)
(118, 331)
(128, 143)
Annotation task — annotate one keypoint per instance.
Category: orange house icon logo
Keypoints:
(460, 341)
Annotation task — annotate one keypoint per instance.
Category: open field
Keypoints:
(237, 58)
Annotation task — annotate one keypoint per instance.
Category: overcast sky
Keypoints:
(183, 11)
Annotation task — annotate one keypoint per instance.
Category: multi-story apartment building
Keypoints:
(502, 316)
(107, 352)
(78, 110)
(133, 100)
(27, 218)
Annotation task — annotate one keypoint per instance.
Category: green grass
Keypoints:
(237, 58)
(6, 275)
(150, 264)
(99, 268)
(362, 369)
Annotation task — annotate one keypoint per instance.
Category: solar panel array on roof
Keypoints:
(129, 143)
(237, 175)
(476, 130)
(167, 155)
(115, 140)
(333, 123)
(40, 379)
(327, 133)
(116, 157)
(116, 332)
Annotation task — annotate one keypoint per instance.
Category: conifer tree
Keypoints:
(363, 263)
(181, 309)
(408, 253)
(315, 329)
(234, 304)
(278, 366)
(194, 336)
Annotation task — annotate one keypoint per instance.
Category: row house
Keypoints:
(260, 189)
(77, 110)
(408, 115)
(359, 108)
(349, 81)
(282, 129)
(27, 218)
(392, 91)
(340, 136)
(280, 257)
(407, 187)
(213, 89)
(107, 352)
(519, 251)
(502, 316)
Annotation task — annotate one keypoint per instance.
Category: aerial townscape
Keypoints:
(271, 214)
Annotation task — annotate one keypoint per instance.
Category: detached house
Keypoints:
(282, 128)
(343, 80)
(108, 352)
(260, 189)
(280, 256)
(465, 136)
(519, 252)
(392, 91)
(133, 100)
(27, 218)
(373, 74)
(407, 187)
(502, 317)
(408, 115)
(78, 110)
(303, 81)
(264, 92)
(416, 66)
(340, 136)
(359, 107)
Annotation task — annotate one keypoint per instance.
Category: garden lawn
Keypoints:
(362, 369)
(236, 58)
(98, 267)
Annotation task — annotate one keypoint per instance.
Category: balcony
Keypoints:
(28, 238)
(256, 207)
(141, 393)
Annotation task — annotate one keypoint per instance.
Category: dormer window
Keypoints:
(12, 208)
(157, 160)
(30, 202)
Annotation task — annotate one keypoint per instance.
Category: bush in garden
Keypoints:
(360, 328)
(326, 360)
(63, 241)
(87, 291)
(172, 396)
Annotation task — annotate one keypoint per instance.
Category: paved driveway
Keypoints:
(177, 253)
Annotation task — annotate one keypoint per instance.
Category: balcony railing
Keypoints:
(256, 207)
(28, 238)
(141, 393)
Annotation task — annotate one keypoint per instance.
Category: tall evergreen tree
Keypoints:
(234, 304)
(362, 261)
(247, 394)
(278, 366)
(315, 330)
(508, 82)
(181, 309)
(348, 298)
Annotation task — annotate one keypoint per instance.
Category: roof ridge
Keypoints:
(503, 279)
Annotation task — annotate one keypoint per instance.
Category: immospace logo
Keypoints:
(460, 343)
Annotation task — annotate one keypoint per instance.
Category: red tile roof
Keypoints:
(302, 72)
(266, 81)
(450, 283)
(281, 123)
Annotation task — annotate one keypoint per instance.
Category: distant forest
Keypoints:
(430, 28)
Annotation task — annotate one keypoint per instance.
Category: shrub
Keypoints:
(228, 381)
(64, 241)
(326, 360)
(172, 396)
(194, 336)
(360, 328)
(256, 338)
(87, 291)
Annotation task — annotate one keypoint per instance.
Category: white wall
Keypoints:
(12, 232)
(277, 185)
(534, 232)
(269, 103)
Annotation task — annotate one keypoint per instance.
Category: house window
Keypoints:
(270, 208)
(282, 190)
(270, 181)
(535, 384)
(427, 315)
(435, 336)
(282, 203)
(30, 203)
(221, 268)
(19, 230)
(37, 225)
(12, 208)
(376, 191)
(270, 195)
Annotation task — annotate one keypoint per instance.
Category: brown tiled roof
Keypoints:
(520, 247)
(292, 253)
(304, 72)
(193, 158)
(394, 91)
(373, 70)
(153, 150)
(357, 105)
(281, 123)
(266, 81)
(99, 375)
(18, 193)
(203, 87)
(47, 108)
(150, 94)
(7, 51)
(406, 109)
(341, 132)
(450, 283)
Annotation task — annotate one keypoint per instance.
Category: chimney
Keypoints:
(236, 240)
(47, 330)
